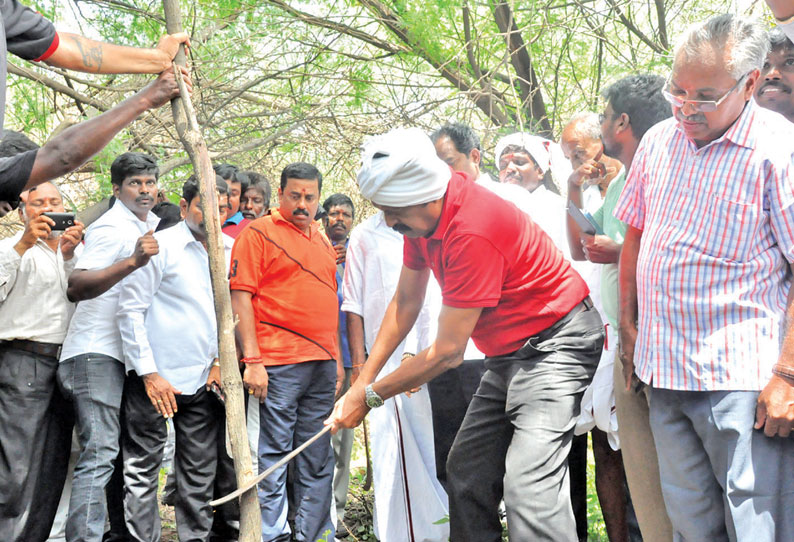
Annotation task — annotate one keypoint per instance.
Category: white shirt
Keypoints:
(372, 270)
(166, 313)
(33, 303)
(507, 191)
(108, 240)
(402, 430)
(228, 243)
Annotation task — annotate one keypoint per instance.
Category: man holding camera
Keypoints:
(35, 265)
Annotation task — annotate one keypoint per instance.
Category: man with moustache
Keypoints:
(36, 428)
(704, 281)
(504, 283)
(775, 87)
(255, 201)
(283, 281)
(173, 365)
(91, 371)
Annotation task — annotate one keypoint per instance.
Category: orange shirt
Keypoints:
(292, 277)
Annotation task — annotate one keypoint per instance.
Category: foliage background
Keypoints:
(278, 81)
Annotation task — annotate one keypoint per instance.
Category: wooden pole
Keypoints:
(190, 133)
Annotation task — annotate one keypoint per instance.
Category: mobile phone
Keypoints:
(216, 390)
(62, 220)
(583, 220)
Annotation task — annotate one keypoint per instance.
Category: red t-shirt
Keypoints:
(486, 253)
(292, 276)
(233, 230)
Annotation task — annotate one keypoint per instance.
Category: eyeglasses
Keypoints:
(700, 106)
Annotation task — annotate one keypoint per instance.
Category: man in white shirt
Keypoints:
(409, 500)
(166, 316)
(91, 372)
(35, 431)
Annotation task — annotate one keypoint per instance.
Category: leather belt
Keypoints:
(49, 350)
(584, 305)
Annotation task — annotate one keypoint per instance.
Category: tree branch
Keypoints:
(522, 63)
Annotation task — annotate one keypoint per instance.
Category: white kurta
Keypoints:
(409, 500)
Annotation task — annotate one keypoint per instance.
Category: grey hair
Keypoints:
(587, 124)
(746, 39)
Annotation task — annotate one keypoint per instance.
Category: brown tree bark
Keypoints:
(190, 133)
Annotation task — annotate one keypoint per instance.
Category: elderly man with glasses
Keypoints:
(704, 281)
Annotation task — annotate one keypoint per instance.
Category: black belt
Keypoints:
(49, 350)
(585, 305)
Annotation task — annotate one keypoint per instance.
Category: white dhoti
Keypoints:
(598, 402)
(409, 500)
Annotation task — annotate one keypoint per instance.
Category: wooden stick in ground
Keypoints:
(281, 462)
(190, 133)
(368, 478)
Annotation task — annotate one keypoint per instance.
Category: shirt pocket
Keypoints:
(732, 231)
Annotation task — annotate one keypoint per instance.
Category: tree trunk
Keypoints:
(190, 133)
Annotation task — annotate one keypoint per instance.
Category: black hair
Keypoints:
(226, 171)
(262, 186)
(461, 135)
(260, 182)
(339, 199)
(778, 39)
(191, 187)
(232, 174)
(14, 143)
(640, 97)
(133, 163)
(169, 214)
(255, 178)
(304, 171)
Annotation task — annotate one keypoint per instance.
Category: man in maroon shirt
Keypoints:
(505, 285)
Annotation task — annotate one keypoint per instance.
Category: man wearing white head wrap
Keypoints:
(401, 168)
(505, 285)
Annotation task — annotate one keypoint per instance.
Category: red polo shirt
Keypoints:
(292, 276)
(486, 253)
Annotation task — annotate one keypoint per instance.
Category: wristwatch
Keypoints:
(373, 400)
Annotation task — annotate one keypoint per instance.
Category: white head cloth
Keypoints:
(400, 168)
(536, 146)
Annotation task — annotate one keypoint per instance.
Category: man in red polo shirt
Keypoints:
(283, 281)
(507, 286)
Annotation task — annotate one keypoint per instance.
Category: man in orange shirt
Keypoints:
(283, 281)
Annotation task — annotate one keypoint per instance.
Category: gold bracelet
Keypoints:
(216, 363)
(785, 21)
(783, 371)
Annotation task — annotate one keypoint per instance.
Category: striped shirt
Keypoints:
(718, 235)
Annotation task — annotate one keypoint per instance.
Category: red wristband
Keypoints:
(254, 359)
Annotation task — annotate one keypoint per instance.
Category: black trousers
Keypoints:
(450, 395)
(35, 440)
(226, 518)
(517, 433)
(195, 461)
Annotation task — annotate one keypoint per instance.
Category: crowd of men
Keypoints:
(631, 282)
